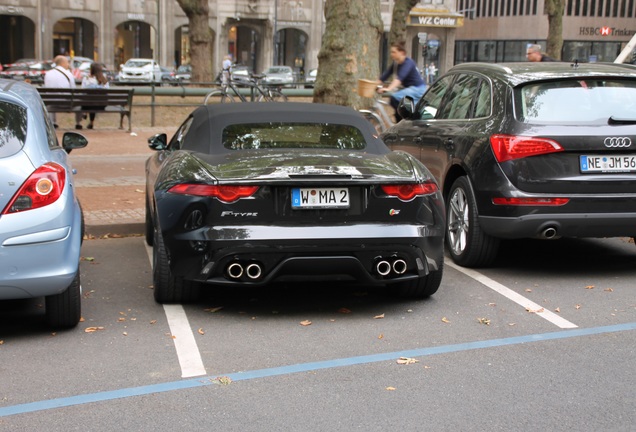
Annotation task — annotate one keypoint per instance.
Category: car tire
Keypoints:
(167, 287)
(467, 244)
(149, 226)
(422, 287)
(64, 310)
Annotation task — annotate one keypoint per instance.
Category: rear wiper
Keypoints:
(616, 120)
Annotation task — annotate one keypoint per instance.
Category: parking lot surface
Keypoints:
(324, 357)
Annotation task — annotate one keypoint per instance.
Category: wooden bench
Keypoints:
(90, 100)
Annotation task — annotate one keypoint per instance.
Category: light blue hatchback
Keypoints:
(41, 223)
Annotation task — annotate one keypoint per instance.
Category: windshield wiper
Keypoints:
(616, 120)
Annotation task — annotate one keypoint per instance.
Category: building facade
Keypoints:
(260, 33)
(500, 30)
(257, 33)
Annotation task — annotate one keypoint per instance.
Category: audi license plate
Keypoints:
(320, 198)
(608, 164)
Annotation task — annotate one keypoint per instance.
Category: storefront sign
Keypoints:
(605, 31)
(11, 10)
(136, 17)
(293, 23)
(436, 20)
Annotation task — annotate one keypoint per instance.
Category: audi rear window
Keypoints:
(576, 101)
(13, 128)
(252, 136)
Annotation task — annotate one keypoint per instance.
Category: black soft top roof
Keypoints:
(205, 133)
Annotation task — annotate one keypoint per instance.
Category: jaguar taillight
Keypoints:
(407, 192)
(226, 193)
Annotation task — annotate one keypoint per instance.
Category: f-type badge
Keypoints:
(394, 212)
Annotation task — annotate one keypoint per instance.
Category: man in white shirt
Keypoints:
(61, 77)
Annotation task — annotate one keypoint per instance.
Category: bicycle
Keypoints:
(258, 93)
(377, 113)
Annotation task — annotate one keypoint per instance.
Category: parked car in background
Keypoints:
(41, 223)
(183, 74)
(140, 71)
(527, 150)
(32, 71)
(244, 195)
(310, 80)
(278, 76)
(167, 76)
(240, 73)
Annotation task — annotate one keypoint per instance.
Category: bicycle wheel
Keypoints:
(217, 96)
(374, 119)
(272, 96)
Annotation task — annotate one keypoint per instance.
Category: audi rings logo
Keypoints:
(615, 142)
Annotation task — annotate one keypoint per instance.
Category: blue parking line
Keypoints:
(304, 367)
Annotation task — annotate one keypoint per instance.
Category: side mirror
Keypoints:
(73, 140)
(158, 142)
(406, 108)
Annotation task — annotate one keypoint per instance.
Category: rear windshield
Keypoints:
(138, 63)
(576, 101)
(292, 135)
(13, 128)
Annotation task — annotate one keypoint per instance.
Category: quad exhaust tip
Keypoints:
(235, 270)
(393, 265)
(253, 271)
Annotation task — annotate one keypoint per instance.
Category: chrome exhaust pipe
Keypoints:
(253, 271)
(383, 268)
(235, 270)
(399, 266)
(549, 233)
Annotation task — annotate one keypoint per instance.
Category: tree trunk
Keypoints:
(554, 9)
(350, 51)
(200, 36)
(401, 9)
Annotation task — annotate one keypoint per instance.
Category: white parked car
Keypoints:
(141, 71)
(279, 76)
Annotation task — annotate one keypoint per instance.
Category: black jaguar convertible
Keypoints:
(254, 193)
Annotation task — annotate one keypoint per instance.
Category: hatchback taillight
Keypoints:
(407, 192)
(42, 188)
(508, 147)
(225, 193)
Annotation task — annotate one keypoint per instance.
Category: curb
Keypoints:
(122, 229)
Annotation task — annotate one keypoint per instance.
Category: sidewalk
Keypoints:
(110, 179)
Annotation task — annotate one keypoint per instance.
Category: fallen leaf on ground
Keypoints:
(87, 259)
(590, 287)
(125, 333)
(201, 331)
(381, 336)
(344, 310)
(578, 306)
(445, 320)
(558, 310)
(378, 316)
(153, 322)
(535, 310)
(609, 289)
(485, 321)
(390, 388)
(406, 360)
(528, 290)
(224, 380)
(305, 323)
(139, 191)
(121, 319)
(1, 342)
(92, 329)
(214, 309)
(82, 319)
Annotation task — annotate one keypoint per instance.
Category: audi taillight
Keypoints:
(226, 193)
(508, 147)
(42, 188)
(554, 202)
(407, 192)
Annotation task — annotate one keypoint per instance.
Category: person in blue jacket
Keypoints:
(405, 76)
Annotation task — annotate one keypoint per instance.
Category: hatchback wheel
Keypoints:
(64, 310)
(468, 245)
(169, 288)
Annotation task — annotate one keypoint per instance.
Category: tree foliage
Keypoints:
(349, 51)
(554, 9)
(401, 9)
(200, 35)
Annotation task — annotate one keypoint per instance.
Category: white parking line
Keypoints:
(515, 297)
(183, 337)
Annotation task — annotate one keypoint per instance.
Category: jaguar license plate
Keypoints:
(608, 164)
(320, 198)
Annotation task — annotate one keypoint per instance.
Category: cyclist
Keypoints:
(406, 76)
